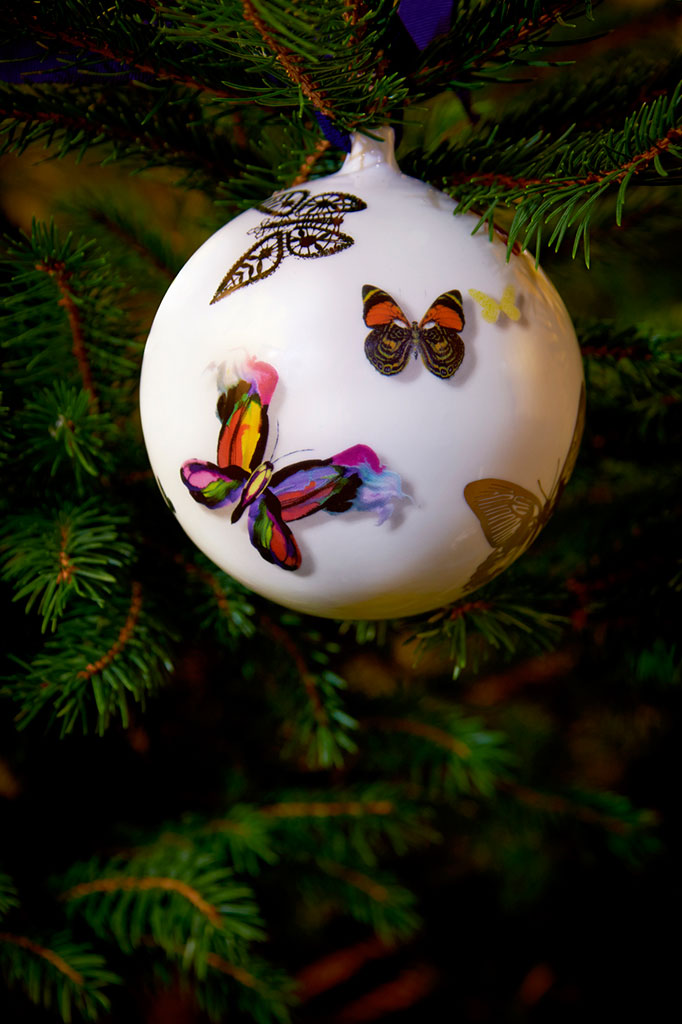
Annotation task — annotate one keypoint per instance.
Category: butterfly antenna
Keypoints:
(274, 447)
(298, 451)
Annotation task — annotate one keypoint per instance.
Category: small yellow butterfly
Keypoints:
(491, 309)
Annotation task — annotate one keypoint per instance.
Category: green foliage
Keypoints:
(171, 896)
(262, 992)
(52, 558)
(61, 428)
(372, 897)
(93, 667)
(64, 307)
(558, 181)
(58, 972)
(9, 897)
(474, 629)
(439, 748)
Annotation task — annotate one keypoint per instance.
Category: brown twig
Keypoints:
(337, 967)
(423, 730)
(306, 677)
(80, 41)
(238, 973)
(147, 884)
(375, 890)
(339, 808)
(47, 954)
(410, 987)
(469, 606)
(209, 579)
(552, 803)
(595, 177)
(123, 637)
(291, 62)
(306, 167)
(66, 566)
(62, 277)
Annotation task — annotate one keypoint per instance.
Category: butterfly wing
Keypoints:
(351, 479)
(507, 303)
(270, 535)
(490, 309)
(257, 263)
(310, 239)
(210, 485)
(331, 204)
(388, 346)
(243, 412)
(440, 345)
(284, 204)
(313, 485)
(507, 512)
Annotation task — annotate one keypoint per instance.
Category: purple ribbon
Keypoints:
(29, 64)
(332, 134)
(425, 19)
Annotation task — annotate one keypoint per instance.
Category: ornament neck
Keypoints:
(367, 153)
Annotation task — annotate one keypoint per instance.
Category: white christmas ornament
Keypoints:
(354, 406)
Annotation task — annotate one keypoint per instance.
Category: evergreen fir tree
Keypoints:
(213, 808)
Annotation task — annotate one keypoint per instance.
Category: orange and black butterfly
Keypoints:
(511, 516)
(297, 224)
(393, 339)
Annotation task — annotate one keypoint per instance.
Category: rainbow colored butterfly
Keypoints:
(298, 224)
(353, 479)
(511, 516)
(393, 338)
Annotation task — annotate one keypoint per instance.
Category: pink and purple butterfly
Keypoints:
(352, 479)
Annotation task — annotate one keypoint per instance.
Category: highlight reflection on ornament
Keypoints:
(298, 224)
(389, 345)
(352, 479)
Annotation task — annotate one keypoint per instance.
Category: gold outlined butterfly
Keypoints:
(491, 308)
(298, 224)
(511, 516)
(273, 498)
(393, 339)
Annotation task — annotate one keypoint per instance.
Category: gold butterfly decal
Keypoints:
(491, 308)
(296, 224)
(511, 516)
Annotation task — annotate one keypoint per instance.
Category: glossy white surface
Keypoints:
(508, 412)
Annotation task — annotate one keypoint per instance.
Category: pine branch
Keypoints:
(499, 622)
(185, 900)
(9, 897)
(125, 232)
(559, 180)
(435, 745)
(223, 606)
(60, 431)
(490, 39)
(319, 727)
(58, 972)
(50, 559)
(371, 897)
(65, 309)
(136, 45)
(262, 992)
(306, 58)
(367, 820)
(93, 667)
(147, 126)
